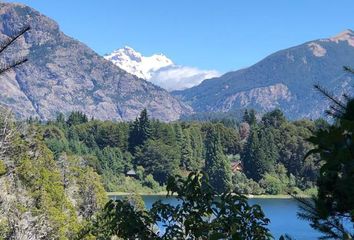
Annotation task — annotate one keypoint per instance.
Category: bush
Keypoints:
(244, 185)
(200, 214)
(272, 184)
(151, 183)
(2, 168)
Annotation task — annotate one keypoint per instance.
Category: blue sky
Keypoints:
(220, 34)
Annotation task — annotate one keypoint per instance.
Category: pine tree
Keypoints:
(274, 118)
(179, 133)
(260, 153)
(140, 131)
(158, 159)
(217, 165)
(60, 120)
(76, 118)
(333, 207)
(144, 124)
(250, 117)
(186, 152)
(251, 154)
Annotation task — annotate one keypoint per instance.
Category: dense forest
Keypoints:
(255, 155)
(54, 175)
(42, 197)
(52, 172)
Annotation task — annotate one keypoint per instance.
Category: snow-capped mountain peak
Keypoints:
(159, 69)
(135, 63)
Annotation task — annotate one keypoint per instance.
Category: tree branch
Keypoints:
(13, 65)
(13, 38)
(7, 44)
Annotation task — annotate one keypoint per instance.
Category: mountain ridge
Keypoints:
(64, 75)
(282, 80)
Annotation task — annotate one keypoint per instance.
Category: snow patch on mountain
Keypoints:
(159, 69)
(317, 49)
(133, 62)
(346, 35)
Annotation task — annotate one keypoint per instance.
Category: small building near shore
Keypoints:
(236, 166)
(131, 173)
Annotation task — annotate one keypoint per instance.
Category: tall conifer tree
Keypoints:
(217, 165)
(140, 131)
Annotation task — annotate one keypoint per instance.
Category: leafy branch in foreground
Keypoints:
(331, 226)
(201, 213)
(332, 210)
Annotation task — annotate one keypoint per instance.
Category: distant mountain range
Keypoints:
(159, 69)
(64, 75)
(282, 80)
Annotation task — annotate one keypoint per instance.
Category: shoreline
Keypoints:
(163, 194)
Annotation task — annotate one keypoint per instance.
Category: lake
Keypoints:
(281, 212)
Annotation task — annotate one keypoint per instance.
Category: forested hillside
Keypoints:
(42, 197)
(268, 153)
(54, 173)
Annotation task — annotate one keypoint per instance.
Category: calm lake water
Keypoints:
(281, 212)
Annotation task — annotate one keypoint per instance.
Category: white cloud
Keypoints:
(177, 77)
(159, 69)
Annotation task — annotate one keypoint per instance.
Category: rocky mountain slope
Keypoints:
(159, 69)
(283, 80)
(64, 75)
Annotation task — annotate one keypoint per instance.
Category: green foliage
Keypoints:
(217, 165)
(91, 195)
(114, 159)
(274, 118)
(336, 178)
(201, 214)
(260, 153)
(274, 142)
(180, 147)
(249, 117)
(279, 181)
(272, 184)
(3, 169)
(244, 185)
(335, 199)
(5, 229)
(229, 139)
(136, 201)
(75, 118)
(272, 155)
(150, 182)
(186, 152)
(140, 131)
(197, 148)
(53, 193)
(158, 159)
(44, 183)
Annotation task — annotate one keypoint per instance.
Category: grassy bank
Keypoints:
(163, 194)
(278, 196)
(143, 193)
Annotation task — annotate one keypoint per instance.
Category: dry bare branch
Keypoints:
(6, 44)
(14, 38)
